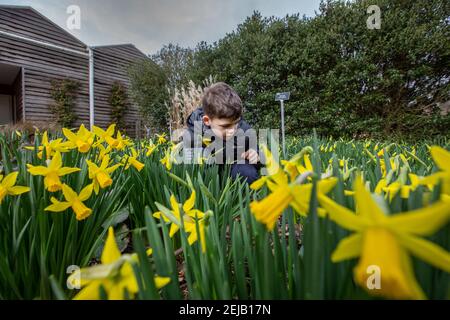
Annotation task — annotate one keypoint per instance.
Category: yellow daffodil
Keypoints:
(166, 161)
(52, 172)
(206, 141)
(73, 200)
(101, 175)
(169, 155)
(268, 210)
(400, 185)
(106, 135)
(176, 212)
(162, 138)
(82, 140)
(103, 151)
(50, 147)
(307, 165)
(190, 216)
(404, 160)
(150, 149)
(115, 275)
(384, 241)
(346, 172)
(190, 226)
(7, 186)
(376, 147)
(290, 166)
(442, 159)
(272, 167)
(122, 142)
(343, 168)
(132, 160)
(283, 192)
(385, 149)
(394, 165)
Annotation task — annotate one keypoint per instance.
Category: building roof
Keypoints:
(42, 35)
(127, 46)
(59, 35)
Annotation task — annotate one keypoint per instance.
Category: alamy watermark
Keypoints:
(74, 280)
(73, 21)
(374, 20)
(374, 280)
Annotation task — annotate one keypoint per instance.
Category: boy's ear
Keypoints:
(206, 120)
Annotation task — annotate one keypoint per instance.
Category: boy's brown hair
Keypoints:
(221, 101)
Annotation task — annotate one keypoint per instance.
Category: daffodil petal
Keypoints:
(69, 194)
(37, 170)
(341, 215)
(195, 214)
(86, 192)
(58, 206)
(426, 251)
(348, 248)
(326, 185)
(110, 252)
(56, 162)
(441, 157)
(66, 170)
(175, 206)
(69, 135)
(161, 282)
(18, 190)
(173, 229)
(90, 292)
(112, 168)
(258, 184)
(10, 179)
(424, 221)
(367, 207)
(189, 204)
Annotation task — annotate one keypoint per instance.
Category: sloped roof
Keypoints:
(27, 22)
(131, 48)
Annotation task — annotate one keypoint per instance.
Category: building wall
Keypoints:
(26, 22)
(111, 64)
(41, 64)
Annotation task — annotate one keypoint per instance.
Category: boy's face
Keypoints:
(222, 128)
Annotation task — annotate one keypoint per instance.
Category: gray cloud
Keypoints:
(149, 24)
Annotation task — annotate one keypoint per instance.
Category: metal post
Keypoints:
(282, 129)
(283, 96)
(91, 89)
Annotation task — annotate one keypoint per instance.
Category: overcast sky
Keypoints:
(150, 24)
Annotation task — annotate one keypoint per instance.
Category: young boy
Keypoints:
(219, 120)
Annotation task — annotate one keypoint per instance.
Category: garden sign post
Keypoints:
(282, 96)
